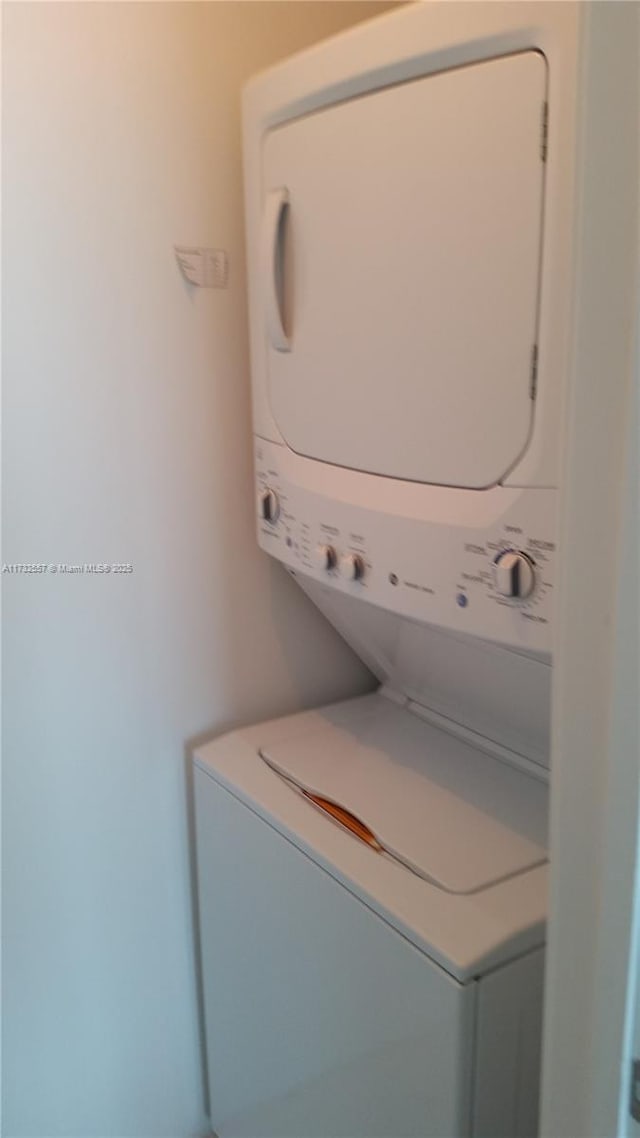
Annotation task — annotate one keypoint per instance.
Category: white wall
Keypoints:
(127, 439)
(594, 783)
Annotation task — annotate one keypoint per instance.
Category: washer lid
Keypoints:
(457, 817)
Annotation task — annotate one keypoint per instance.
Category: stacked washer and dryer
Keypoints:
(373, 875)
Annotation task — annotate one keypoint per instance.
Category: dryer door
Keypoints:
(401, 263)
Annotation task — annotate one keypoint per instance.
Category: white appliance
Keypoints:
(372, 876)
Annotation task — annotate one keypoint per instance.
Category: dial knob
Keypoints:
(352, 567)
(268, 506)
(326, 557)
(515, 576)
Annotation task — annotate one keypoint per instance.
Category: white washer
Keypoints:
(346, 994)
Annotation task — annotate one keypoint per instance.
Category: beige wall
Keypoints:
(127, 439)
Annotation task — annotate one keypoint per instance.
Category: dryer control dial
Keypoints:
(268, 506)
(352, 567)
(514, 574)
(326, 557)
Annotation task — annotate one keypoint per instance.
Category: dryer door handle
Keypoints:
(276, 209)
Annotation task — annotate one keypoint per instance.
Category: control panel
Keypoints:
(489, 573)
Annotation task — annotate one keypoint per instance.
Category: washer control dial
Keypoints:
(326, 557)
(514, 574)
(268, 506)
(352, 567)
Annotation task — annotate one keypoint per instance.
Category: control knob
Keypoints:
(352, 567)
(326, 557)
(514, 574)
(268, 506)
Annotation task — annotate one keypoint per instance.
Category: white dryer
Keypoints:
(372, 876)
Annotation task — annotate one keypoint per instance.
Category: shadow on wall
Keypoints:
(195, 914)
